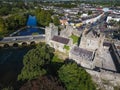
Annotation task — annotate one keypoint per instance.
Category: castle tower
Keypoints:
(50, 31)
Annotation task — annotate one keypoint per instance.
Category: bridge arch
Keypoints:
(6, 46)
(24, 44)
(15, 44)
(32, 43)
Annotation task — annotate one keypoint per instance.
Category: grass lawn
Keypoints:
(57, 59)
(66, 47)
(75, 38)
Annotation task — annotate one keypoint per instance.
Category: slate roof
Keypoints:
(60, 39)
(107, 44)
(82, 53)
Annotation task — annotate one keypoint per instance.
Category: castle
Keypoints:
(92, 52)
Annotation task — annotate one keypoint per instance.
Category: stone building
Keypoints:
(59, 43)
(82, 56)
(93, 52)
(50, 32)
(67, 32)
(56, 41)
(91, 40)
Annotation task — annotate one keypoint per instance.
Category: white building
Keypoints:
(113, 17)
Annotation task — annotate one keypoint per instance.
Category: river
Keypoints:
(11, 63)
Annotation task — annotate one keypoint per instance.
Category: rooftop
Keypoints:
(107, 44)
(82, 52)
(60, 39)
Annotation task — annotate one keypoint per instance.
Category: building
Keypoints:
(82, 56)
(50, 32)
(91, 40)
(56, 41)
(115, 17)
(59, 43)
(67, 32)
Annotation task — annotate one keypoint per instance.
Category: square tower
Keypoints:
(50, 31)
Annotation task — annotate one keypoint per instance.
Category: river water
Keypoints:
(31, 29)
(11, 63)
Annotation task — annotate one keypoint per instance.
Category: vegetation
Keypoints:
(2, 26)
(75, 38)
(15, 21)
(44, 69)
(75, 78)
(66, 47)
(57, 59)
(43, 83)
(89, 12)
(41, 67)
(14, 16)
(56, 21)
(12, 23)
(12, 8)
(66, 5)
(44, 17)
(36, 33)
(34, 61)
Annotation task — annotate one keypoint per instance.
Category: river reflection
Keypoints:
(11, 63)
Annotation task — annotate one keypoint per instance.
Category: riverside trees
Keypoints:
(12, 23)
(34, 62)
(44, 17)
(1, 25)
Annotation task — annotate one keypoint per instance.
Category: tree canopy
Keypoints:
(43, 17)
(56, 21)
(43, 83)
(75, 78)
(34, 61)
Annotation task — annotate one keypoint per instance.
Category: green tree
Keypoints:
(48, 19)
(56, 21)
(75, 78)
(3, 29)
(4, 10)
(34, 61)
(43, 17)
(15, 21)
(1, 25)
(89, 12)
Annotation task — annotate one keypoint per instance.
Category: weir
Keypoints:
(32, 21)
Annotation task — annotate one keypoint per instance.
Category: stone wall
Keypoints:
(105, 80)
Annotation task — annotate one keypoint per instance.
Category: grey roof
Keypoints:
(107, 44)
(82, 53)
(60, 39)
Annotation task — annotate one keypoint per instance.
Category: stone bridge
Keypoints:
(22, 40)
